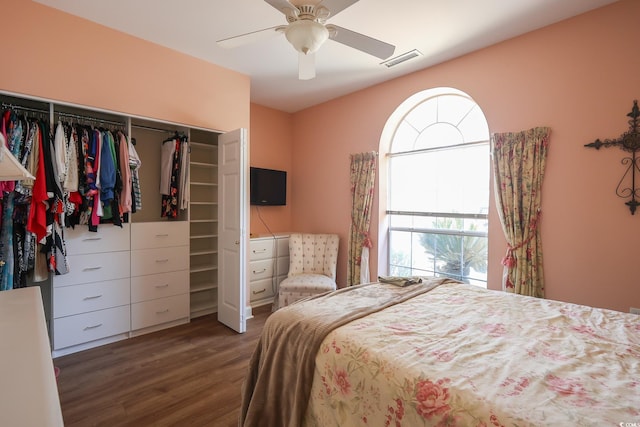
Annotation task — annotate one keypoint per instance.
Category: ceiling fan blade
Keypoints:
(337, 6)
(361, 42)
(306, 66)
(247, 38)
(281, 5)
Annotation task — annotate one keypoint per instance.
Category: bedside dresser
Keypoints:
(268, 266)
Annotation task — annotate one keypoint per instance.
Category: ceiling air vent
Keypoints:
(401, 58)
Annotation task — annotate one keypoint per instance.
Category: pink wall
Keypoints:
(271, 142)
(54, 55)
(579, 77)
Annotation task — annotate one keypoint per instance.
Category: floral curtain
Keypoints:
(363, 175)
(518, 166)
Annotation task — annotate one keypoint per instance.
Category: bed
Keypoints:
(443, 353)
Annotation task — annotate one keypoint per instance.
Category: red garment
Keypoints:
(37, 222)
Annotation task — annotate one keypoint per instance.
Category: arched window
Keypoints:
(438, 188)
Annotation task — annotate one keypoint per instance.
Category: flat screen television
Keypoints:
(268, 187)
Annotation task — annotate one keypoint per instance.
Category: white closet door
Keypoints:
(233, 225)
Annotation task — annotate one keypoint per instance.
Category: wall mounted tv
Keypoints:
(268, 187)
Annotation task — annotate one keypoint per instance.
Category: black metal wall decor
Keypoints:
(630, 142)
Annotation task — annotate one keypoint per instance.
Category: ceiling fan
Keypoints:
(307, 31)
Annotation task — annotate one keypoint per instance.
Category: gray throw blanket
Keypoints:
(277, 387)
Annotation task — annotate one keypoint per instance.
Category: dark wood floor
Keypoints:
(190, 375)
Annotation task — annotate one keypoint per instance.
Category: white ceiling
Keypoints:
(440, 29)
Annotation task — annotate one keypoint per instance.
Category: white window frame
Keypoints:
(408, 106)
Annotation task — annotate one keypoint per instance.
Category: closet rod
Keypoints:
(152, 128)
(19, 107)
(91, 119)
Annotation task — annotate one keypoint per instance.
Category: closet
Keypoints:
(154, 270)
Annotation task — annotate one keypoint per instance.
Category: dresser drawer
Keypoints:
(262, 269)
(76, 299)
(162, 260)
(108, 238)
(261, 289)
(158, 311)
(154, 286)
(148, 235)
(260, 249)
(94, 268)
(82, 328)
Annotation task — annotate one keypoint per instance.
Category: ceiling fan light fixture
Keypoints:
(306, 36)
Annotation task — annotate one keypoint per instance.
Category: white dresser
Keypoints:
(91, 304)
(268, 266)
(122, 282)
(159, 275)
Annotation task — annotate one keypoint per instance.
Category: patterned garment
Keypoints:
(134, 165)
(6, 245)
(170, 202)
(57, 253)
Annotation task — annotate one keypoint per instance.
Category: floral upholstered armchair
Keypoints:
(312, 267)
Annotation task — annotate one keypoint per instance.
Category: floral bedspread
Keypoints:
(464, 356)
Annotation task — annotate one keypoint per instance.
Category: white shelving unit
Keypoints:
(203, 236)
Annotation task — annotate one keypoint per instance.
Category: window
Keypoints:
(438, 188)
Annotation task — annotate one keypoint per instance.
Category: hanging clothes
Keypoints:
(183, 189)
(60, 144)
(12, 132)
(70, 183)
(134, 165)
(107, 174)
(124, 162)
(167, 168)
(81, 174)
(170, 201)
(28, 157)
(37, 222)
(6, 244)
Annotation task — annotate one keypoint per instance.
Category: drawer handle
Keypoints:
(166, 310)
(91, 268)
(260, 291)
(162, 235)
(259, 251)
(261, 271)
(89, 239)
(162, 260)
(92, 297)
(166, 285)
(86, 328)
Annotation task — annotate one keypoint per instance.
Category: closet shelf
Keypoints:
(203, 145)
(203, 184)
(202, 268)
(204, 203)
(203, 165)
(203, 236)
(200, 287)
(203, 220)
(210, 252)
